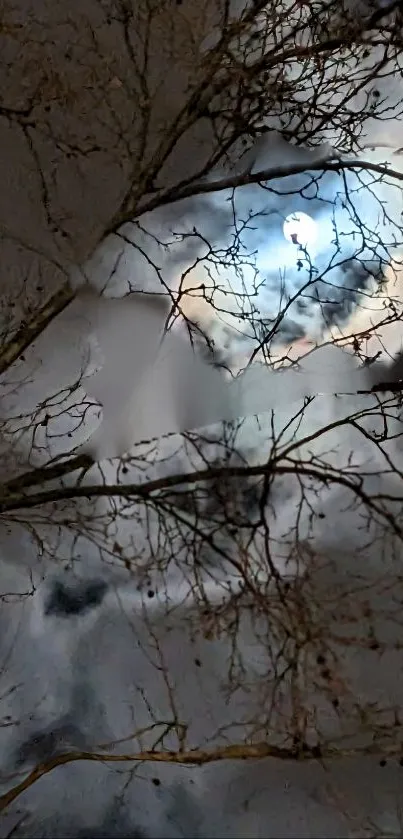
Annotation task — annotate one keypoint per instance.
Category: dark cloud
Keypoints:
(339, 299)
(330, 301)
(116, 825)
(289, 330)
(43, 745)
(67, 600)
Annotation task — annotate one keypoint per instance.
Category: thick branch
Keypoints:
(45, 474)
(30, 330)
(198, 757)
(263, 176)
(15, 501)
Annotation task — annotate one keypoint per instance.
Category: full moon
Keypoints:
(300, 229)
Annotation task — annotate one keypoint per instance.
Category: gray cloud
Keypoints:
(83, 596)
(78, 665)
(338, 299)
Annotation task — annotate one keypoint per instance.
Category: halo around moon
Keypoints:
(300, 229)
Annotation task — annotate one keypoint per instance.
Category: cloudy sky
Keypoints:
(91, 654)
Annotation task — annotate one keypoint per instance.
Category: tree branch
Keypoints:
(199, 757)
(14, 501)
(45, 474)
(263, 176)
(30, 330)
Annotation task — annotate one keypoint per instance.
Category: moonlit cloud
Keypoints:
(88, 634)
